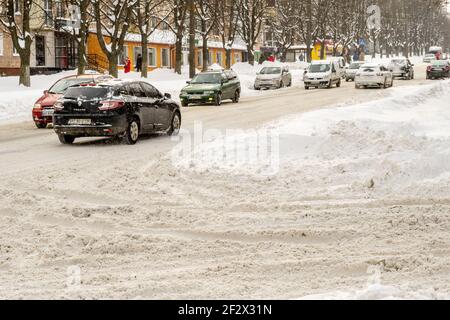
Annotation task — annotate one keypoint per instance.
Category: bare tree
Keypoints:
(207, 14)
(17, 21)
(227, 25)
(113, 19)
(149, 17)
(251, 17)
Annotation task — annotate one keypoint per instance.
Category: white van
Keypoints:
(341, 65)
(322, 73)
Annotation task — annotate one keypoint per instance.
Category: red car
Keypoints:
(43, 108)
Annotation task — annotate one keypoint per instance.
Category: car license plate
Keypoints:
(79, 121)
(196, 97)
(47, 112)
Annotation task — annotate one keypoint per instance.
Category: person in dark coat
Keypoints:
(139, 63)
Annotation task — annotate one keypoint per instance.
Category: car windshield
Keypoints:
(61, 86)
(399, 62)
(355, 66)
(87, 93)
(368, 68)
(207, 78)
(319, 68)
(271, 70)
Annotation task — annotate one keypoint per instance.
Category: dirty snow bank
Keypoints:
(395, 146)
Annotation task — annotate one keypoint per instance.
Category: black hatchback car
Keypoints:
(117, 108)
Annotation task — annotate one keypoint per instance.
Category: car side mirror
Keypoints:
(45, 91)
(188, 82)
(167, 96)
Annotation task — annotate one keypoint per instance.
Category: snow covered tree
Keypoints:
(15, 17)
(207, 12)
(227, 25)
(178, 26)
(113, 19)
(251, 17)
(149, 15)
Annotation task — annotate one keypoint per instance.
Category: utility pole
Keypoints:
(191, 4)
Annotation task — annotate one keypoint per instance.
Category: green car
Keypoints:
(212, 87)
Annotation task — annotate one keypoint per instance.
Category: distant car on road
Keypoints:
(350, 72)
(43, 108)
(117, 108)
(439, 69)
(212, 87)
(273, 78)
(429, 57)
(402, 68)
(373, 75)
(322, 73)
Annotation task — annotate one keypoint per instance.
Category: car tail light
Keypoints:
(111, 105)
(58, 106)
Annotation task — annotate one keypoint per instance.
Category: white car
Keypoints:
(322, 73)
(373, 75)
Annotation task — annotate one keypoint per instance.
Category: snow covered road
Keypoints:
(355, 192)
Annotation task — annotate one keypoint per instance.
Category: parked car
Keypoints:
(117, 108)
(350, 72)
(43, 108)
(402, 68)
(438, 69)
(273, 78)
(373, 75)
(212, 87)
(322, 73)
(429, 57)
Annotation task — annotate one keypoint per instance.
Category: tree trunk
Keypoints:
(24, 78)
(251, 55)
(113, 65)
(178, 53)
(228, 58)
(81, 56)
(144, 45)
(205, 54)
(191, 39)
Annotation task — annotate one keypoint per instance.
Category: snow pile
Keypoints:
(395, 146)
(380, 292)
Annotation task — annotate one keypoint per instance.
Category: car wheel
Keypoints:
(132, 133)
(65, 139)
(290, 84)
(40, 125)
(281, 85)
(306, 87)
(175, 125)
(384, 84)
(218, 101)
(347, 79)
(338, 85)
(237, 96)
(330, 84)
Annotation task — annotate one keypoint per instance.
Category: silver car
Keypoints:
(350, 72)
(429, 57)
(402, 68)
(273, 78)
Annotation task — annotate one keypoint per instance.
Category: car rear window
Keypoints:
(62, 85)
(87, 93)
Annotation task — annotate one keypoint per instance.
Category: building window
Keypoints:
(40, 51)
(60, 9)
(152, 57)
(48, 13)
(200, 58)
(237, 57)
(165, 57)
(1, 43)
